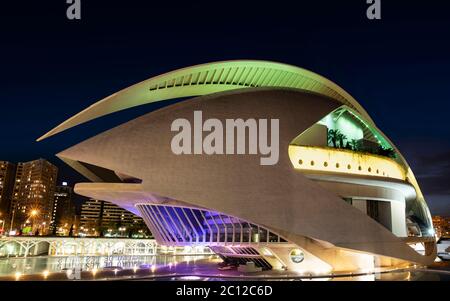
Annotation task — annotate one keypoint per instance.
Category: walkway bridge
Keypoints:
(23, 246)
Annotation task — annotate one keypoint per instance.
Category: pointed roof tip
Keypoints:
(45, 136)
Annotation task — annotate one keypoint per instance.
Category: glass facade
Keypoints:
(173, 225)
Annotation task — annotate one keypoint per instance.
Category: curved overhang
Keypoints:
(124, 195)
(406, 190)
(211, 78)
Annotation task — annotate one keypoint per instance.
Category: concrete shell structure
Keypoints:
(321, 208)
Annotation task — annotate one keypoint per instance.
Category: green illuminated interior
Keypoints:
(346, 125)
(353, 126)
(345, 129)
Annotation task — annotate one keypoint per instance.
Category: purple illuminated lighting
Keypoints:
(179, 226)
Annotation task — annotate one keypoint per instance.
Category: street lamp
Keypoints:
(42, 227)
(2, 222)
(33, 214)
(15, 206)
(122, 229)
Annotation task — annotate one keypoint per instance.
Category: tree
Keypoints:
(341, 138)
(354, 144)
(386, 152)
(336, 138)
(333, 137)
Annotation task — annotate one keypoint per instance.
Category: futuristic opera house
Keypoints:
(341, 197)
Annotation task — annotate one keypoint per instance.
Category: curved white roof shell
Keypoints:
(211, 78)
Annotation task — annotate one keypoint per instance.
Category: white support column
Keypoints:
(27, 248)
(36, 248)
(398, 218)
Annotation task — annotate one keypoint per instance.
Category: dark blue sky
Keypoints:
(397, 68)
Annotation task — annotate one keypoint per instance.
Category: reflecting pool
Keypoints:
(180, 267)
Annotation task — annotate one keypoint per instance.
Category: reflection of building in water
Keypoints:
(88, 263)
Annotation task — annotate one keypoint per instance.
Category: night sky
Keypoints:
(397, 68)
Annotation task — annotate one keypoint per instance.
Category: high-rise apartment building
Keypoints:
(441, 226)
(100, 218)
(64, 210)
(33, 195)
(7, 173)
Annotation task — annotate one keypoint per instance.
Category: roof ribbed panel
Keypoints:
(211, 78)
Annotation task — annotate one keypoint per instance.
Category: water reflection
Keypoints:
(189, 267)
(394, 276)
(37, 265)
